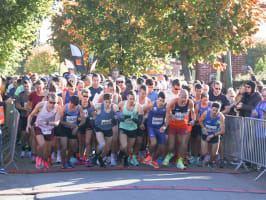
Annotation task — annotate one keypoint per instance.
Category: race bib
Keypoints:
(85, 113)
(71, 119)
(106, 122)
(157, 120)
(180, 115)
(47, 132)
(211, 128)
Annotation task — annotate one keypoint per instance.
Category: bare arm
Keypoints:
(36, 110)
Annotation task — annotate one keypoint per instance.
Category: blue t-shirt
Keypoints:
(259, 108)
(153, 96)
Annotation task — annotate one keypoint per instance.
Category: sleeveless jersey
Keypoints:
(46, 116)
(181, 114)
(211, 124)
(71, 117)
(103, 121)
(202, 110)
(67, 97)
(156, 116)
(128, 123)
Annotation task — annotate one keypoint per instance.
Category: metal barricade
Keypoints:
(233, 136)
(9, 137)
(245, 140)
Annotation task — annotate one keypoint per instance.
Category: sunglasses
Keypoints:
(118, 82)
(217, 88)
(156, 90)
(177, 88)
(52, 102)
(247, 87)
(85, 96)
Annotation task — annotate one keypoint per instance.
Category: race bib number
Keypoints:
(157, 120)
(106, 122)
(47, 132)
(85, 113)
(180, 115)
(71, 119)
(211, 128)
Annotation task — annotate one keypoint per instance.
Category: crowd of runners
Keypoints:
(94, 120)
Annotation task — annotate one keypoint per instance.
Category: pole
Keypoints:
(229, 82)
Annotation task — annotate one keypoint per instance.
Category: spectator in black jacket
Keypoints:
(249, 100)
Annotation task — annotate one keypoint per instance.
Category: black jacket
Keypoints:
(249, 103)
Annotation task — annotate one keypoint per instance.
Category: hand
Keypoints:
(9, 101)
(191, 123)
(209, 137)
(75, 131)
(239, 106)
(205, 131)
(142, 127)
(162, 129)
(250, 70)
(72, 126)
(28, 128)
(254, 113)
(173, 117)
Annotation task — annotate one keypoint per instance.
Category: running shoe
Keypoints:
(126, 161)
(39, 163)
(167, 159)
(94, 160)
(69, 164)
(33, 158)
(160, 161)
(63, 166)
(134, 161)
(3, 171)
(199, 162)
(113, 162)
(46, 165)
(29, 154)
(193, 160)
(154, 164)
(22, 154)
(88, 163)
(221, 163)
(102, 164)
(180, 164)
(147, 160)
(211, 165)
(80, 162)
(185, 162)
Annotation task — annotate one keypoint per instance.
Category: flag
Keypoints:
(93, 66)
(70, 67)
(77, 55)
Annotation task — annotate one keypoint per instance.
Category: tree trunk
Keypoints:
(185, 68)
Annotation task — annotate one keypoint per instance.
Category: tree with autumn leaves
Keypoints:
(132, 34)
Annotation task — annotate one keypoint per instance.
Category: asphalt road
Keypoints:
(132, 184)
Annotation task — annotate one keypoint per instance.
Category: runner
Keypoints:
(85, 131)
(105, 115)
(21, 105)
(157, 126)
(212, 124)
(70, 92)
(34, 98)
(48, 116)
(142, 100)
(68, 134)
(178, 110)
(133, 116)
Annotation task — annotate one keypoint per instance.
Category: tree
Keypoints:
(20, 21)
(43, 60)
(260, 67)
(200, 30)
(105, 28)
(129, 34)
(255, 53)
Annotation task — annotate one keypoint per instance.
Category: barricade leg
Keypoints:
(260, 174)
(240, 164)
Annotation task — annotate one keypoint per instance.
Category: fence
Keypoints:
(9, 137)
(245, 140)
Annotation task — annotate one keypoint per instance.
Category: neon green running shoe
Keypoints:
(167, 159)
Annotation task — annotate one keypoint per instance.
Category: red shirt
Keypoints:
(34, 99)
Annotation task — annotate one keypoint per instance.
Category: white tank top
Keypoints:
(46, 116)
(145, 103)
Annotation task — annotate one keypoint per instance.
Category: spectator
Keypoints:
(249, 100)
(261, 106)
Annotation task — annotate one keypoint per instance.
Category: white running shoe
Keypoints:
(22, 154)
